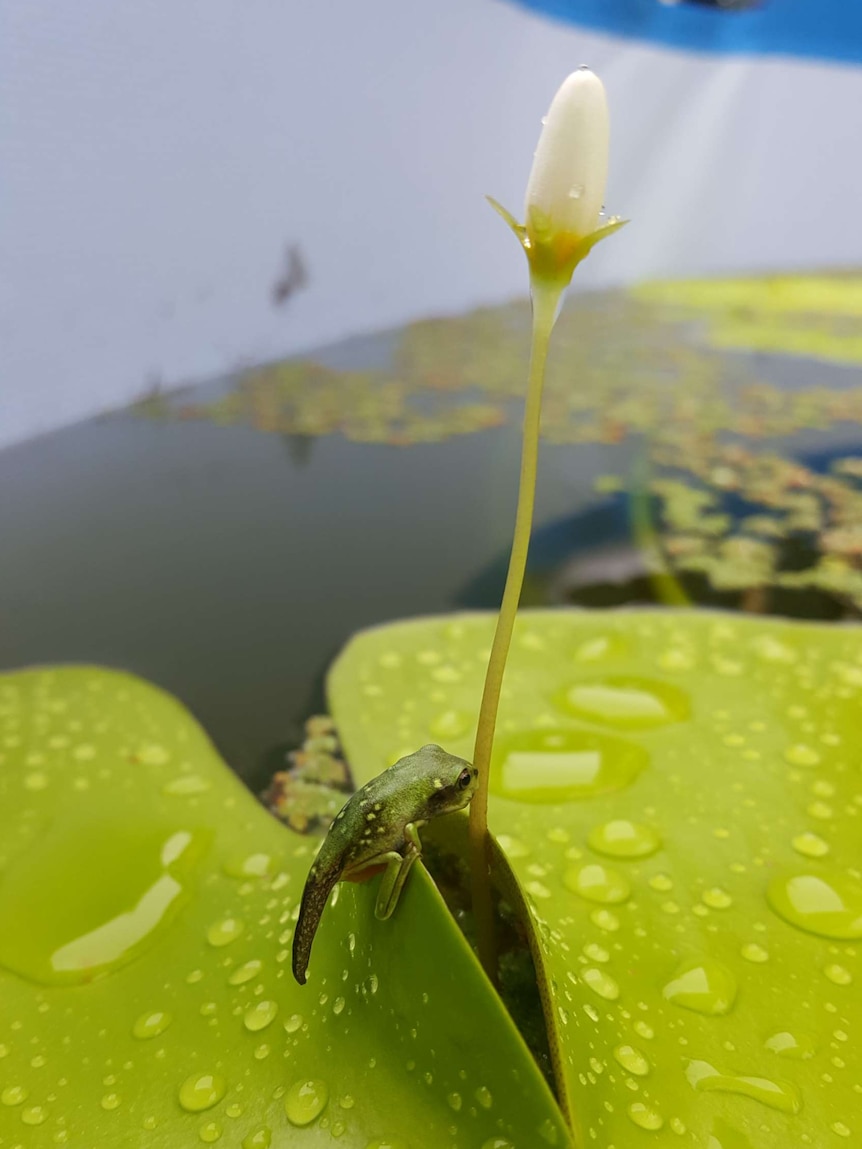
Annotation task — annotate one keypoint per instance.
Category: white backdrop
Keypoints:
(156, 159)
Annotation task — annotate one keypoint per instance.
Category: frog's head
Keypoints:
(449, 782)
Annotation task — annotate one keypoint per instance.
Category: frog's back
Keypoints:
(352, 838)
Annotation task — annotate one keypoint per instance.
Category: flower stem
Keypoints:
(546, 295)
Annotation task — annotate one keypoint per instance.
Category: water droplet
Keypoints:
(600, 982)
(632, 1060)
(597, 883)
(623, 839)
(644, 1116)
(14, 1095)
(497, 1143)
(596, 952)
(260, 1015)
(151, 1024)
(245, 972)
(838, 975)
(751, 951)
(454, 1100)
(305, 1101)
(450, 724)
(810, 845)
(248, 866)
(605, 920)
(483, 1096)
(783, 1096)
(576, 191)
(786, 1044)
(801, 755)
(35, 1115)
(338, 1005)
(224, 932)
(293, 1023)
(769, 649)
(702, 985)
(716, 898)
(840, 1128)
(644, 1029)
(202, 1091)
(512, 847)
(552, 766)
(661, 882)
(387, 1143)
(210, 1132)
(260, 1138)
(627, 703)
(129, 884)
(677, 658)
(110, 1101)
(829, 905)
(186, 786)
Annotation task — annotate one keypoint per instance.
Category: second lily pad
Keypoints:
(679, 797)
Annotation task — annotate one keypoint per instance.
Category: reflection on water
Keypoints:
(229, 566)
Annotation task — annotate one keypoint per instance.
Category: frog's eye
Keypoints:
(464, 779)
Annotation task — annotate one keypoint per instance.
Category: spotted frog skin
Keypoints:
(378, 830)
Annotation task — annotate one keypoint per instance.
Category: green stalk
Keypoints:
(667, 587)
(546, 296)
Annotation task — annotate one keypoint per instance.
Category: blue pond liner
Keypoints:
(818, 29)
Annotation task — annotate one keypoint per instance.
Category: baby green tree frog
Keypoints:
(378, 830)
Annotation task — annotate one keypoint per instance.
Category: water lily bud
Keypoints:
(570, 170)
(567, 184)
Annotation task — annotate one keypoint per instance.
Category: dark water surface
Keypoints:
(229, 566)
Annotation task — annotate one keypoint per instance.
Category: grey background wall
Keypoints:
(157, 159)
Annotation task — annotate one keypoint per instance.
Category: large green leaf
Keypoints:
(146, 914)
(680, 797)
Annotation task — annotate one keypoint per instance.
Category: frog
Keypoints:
(377, 832)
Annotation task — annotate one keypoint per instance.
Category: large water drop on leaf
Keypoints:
(776, 1094)
(129, 884)
(828, 904)
(627, 703)
(564, 765)
(702, 985)
(624, 839)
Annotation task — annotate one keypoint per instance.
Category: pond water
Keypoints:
(226, 542)
(229, 566)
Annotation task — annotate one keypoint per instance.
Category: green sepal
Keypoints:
(518, 228)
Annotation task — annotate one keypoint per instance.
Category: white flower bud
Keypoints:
(570, 170)
(567, 184)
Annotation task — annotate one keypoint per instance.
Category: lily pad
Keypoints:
(146, 913)
(687, 845)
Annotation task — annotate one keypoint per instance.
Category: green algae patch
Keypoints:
(696, 924)
(814, 316)
(147, 905)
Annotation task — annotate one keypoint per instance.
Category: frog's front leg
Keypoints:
(395, 874)
(397, 867)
